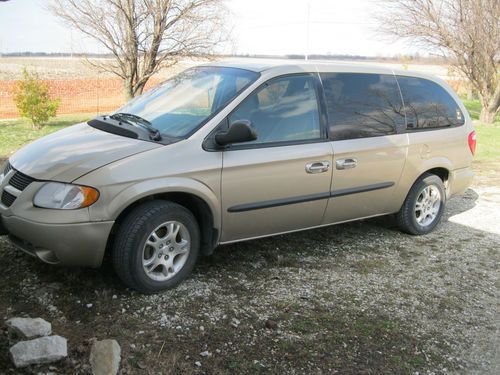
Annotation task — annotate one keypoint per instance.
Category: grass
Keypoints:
(488, 136)
(474, 108)
(488, 143)
(351, 339)
(16, 133)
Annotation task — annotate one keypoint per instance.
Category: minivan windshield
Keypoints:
(181, 104)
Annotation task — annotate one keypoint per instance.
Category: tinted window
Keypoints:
(428, 105)
(284, 109)
(362, 105)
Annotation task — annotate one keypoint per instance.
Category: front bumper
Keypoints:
(80, 244)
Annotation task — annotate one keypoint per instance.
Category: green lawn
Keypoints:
(488, 142)
(474, 108)
(488, 136)
(17, 132)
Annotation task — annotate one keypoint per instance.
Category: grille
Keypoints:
(20, 181)
(7, 169)
(8, 199)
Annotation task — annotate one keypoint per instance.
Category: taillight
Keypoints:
(472, 142)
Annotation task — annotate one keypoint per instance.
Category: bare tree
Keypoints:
(467, 31)
(145, 35)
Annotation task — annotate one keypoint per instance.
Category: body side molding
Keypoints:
(307, 198)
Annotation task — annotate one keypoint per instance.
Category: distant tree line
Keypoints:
(413, 57)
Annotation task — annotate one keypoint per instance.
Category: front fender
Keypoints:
(117, 200)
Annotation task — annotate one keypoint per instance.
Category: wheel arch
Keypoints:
(441, 168)
(405, 215)
(193, 195)
(441, 172)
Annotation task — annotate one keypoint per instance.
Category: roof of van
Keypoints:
(261, 65)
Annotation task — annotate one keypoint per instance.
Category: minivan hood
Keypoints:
(72, 152)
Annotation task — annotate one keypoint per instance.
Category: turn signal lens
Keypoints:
(90, 195)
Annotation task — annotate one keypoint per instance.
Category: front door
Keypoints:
(281, 181)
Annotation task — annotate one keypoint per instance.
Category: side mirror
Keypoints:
(239, 131)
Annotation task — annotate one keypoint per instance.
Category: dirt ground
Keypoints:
(358, 298)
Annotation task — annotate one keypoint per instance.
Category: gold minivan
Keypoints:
(233, 151)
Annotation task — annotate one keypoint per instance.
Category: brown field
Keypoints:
(82, 88)
(82, 95)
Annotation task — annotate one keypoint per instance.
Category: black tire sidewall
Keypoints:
(429, 180)
(167, 212)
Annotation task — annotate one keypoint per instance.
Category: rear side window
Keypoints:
(428, 105)
(362, 105)
(284, 109)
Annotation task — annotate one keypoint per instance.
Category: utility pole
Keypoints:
(307, 30)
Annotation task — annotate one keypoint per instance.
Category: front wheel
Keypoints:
(156, 246)
(424, 206)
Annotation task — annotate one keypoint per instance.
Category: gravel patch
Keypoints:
(353, 298)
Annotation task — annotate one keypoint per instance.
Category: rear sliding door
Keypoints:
(366, 123)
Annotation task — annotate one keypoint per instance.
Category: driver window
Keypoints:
(284, 109)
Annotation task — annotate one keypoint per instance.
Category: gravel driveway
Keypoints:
(357, 298)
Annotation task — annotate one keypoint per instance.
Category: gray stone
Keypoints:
(42, 350)
(105, 357)
(29, 328)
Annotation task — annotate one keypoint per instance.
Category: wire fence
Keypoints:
(93, 96)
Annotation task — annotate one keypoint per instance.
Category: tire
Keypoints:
(424, 218)
(149, 253)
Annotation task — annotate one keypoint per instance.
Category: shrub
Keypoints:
(33, 101)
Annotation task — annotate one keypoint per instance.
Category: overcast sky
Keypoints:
(273, 27)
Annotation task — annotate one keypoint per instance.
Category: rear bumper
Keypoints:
(80, 244)
(460, 180)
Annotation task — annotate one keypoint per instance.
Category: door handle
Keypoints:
(317, 167)
(346, 163)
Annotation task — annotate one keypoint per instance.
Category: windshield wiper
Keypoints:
(155, 134)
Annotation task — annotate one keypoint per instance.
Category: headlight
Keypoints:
(65, 196)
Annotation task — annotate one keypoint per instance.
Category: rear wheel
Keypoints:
(424, 205)
(156, 246)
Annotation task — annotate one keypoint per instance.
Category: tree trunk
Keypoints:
(128, 89)
(34, 125)
(139, 89)
(131, 90)
(490, 106)
(470, 93)
(487, 115)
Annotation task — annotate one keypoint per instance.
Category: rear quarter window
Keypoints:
(428, 105)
